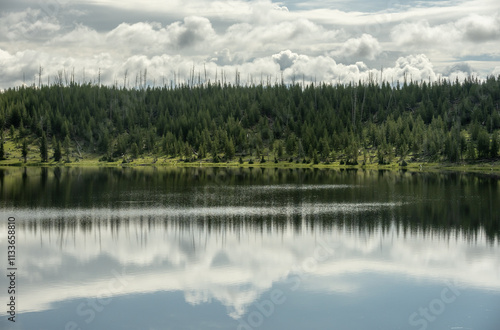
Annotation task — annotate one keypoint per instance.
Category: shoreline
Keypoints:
(484, 167)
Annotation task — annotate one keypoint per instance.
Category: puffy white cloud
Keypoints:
(285, 58)
(421, 33)
(85, 39)
(259, 40)
(496, 71)
(152, 38)
(472, 34)
(480, 28)
(28, 24)
(365, 46)
(134, 34)
(191, 32)
(223, 57)
(265, 12)
(413, 67)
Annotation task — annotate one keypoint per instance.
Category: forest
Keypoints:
(358, 123)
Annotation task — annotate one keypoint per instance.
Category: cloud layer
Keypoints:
(256, 38)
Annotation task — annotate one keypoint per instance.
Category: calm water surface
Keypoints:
(247, 249)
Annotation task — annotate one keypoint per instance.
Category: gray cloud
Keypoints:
(458, 68)
(478, 28)
(192, 31)
(451, 36)
(285, 59)
(28, 24)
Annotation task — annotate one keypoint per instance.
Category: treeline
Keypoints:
(364, 122)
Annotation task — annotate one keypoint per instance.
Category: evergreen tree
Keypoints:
(315, 157)
(290, 144)
(2, 150)
(230, 150)
(21, 129)
(134, 149)
(451, 149)
(186, 150)
(44, 148)
(57, 151)
(324, 147)
(202, 151)
(67, 145)
(483, 143)
(25, 150)
(300, 150)
(471, 152)
(494, 145)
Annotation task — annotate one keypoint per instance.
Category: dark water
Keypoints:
(251, 249)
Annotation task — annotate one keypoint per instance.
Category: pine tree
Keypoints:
(2, 150)
(300, 150)
(134, 149)
(66, 145)
(25, 150)
(230, 150)
(44, 149)
(483, 143)
(290, 144)
(494, 145)
(57, 151)
(471, 152)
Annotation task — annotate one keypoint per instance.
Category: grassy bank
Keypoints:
(13, 157)
(175, 162)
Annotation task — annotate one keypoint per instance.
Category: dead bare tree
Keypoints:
(40, 70)
(354, 101)
(125, 79)
(363, 103)
(205, 69)
(65, 77)
(59, 78)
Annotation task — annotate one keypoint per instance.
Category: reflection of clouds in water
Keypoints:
(236, 266)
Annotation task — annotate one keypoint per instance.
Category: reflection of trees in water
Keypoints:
(431, 202)
(398, 220)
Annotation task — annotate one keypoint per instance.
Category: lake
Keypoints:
(230, 248)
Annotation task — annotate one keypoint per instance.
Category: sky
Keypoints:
(333, 41)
